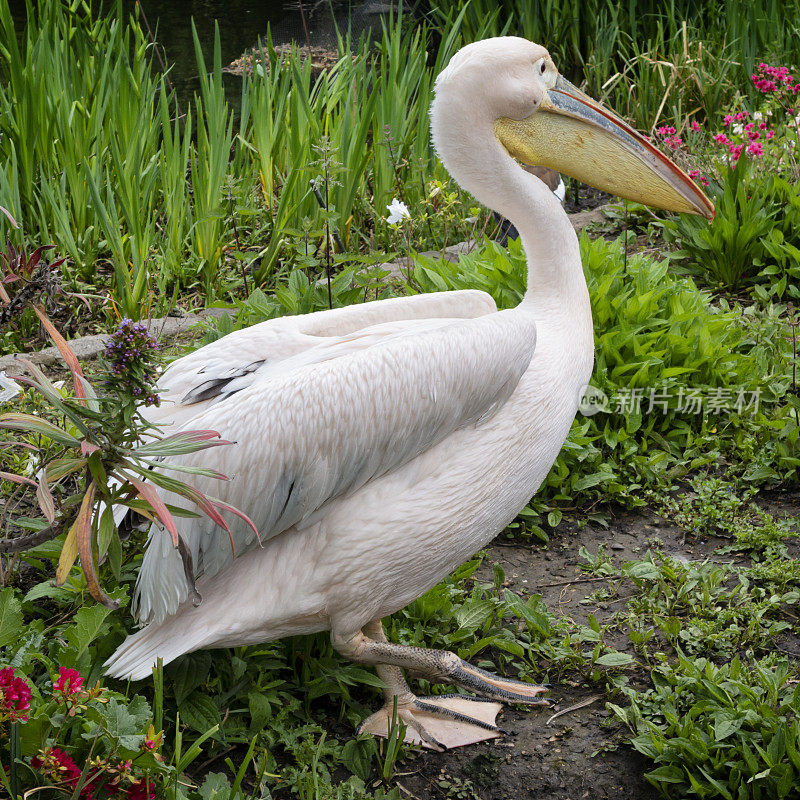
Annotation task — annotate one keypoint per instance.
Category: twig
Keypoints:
(577, 580)
(20, 543)
(583, 703)
(238, 244)
(305, 27)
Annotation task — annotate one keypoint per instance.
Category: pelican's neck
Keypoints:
(480, 164)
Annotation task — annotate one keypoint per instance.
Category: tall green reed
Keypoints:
(97, 159)
(210, 158)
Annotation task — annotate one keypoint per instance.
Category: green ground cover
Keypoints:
(152, 205)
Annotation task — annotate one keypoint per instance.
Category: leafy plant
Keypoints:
(729, 251)
(726, 731)
(116, 457)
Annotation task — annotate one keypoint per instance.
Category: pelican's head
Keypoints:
(541, 119)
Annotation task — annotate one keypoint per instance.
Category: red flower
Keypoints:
(15, 695)
(56, 765)
(69, 682)
(142, 789)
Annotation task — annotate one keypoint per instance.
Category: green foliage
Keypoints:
(714, 508)
(91, 453)
(69, 720)
(727, 731)
(659, 341)
(729, 251)
(650, 60)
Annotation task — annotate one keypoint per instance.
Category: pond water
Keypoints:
(241, 23)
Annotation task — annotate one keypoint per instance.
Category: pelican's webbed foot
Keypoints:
(439, 723)
(442, 721)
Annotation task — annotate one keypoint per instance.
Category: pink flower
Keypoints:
(695, 126)
(721, 138)
(762, 125)
(698, 178)
(666, 130)
(755, 149)
(753, 135)
(728, 119)
(15, 695)
(736, 151)
(770, 134)
(69, 682)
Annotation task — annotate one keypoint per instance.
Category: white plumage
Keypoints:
(379, 446)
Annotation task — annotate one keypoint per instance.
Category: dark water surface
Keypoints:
(241, 24)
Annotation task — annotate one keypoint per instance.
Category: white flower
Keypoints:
(398, 211)
(737, 129)
(8, 388)
(757, 115)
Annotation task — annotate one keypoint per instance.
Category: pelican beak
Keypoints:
(575, 135)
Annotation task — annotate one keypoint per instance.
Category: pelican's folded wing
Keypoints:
(212, 373)
(330, 420)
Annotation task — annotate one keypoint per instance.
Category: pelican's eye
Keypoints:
(542, 68)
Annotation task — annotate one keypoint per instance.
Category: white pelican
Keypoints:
(380, 446)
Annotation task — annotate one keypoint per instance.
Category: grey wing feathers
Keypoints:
(222, 386)
(322, 430)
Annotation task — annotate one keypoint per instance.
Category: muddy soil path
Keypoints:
(580, 754)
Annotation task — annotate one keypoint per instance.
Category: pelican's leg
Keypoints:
(441, 721)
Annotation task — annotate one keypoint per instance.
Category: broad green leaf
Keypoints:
(11, 624)
(126, 723)
(260, 711)
(90, 623)
(200, 712)
(357, 755)
(216, 786)
(614, 660)
(473, 614)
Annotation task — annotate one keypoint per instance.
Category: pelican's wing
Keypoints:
(208, 375)
(328, 422)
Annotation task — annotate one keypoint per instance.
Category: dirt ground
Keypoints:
(579, 755)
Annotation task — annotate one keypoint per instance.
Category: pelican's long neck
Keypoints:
(480, 164)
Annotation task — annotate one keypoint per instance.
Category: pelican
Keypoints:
(379, 446)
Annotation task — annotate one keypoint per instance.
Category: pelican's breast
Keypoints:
(392, 540)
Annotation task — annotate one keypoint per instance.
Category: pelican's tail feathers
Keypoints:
(135, 658)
